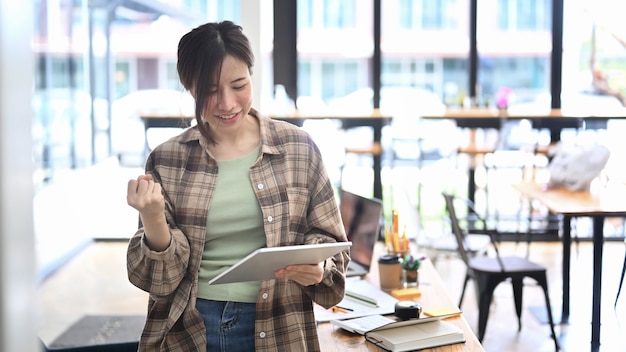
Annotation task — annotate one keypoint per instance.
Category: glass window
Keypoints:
(217, 10)
(514, 49)
(339, 13)
(122, 78)
(432, 14)
(524, 14)
(425, 14)
(305, 14)
(62, 128)
(328, 14)
(171, 76)
(334, 50)
(425, 49)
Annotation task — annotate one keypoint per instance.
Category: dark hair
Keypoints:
(200, 56)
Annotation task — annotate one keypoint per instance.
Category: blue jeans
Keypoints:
(229, 325)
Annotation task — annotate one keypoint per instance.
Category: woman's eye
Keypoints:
(239, 87)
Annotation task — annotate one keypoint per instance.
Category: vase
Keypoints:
(410, 278)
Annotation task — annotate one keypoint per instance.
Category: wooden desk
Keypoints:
(555, 119)
(608, 202)
(376, 119)
(434, 294)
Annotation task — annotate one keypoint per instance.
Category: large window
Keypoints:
(514, 48)
(133, 47)
(334, 50)
(425, 49)
(424, 43)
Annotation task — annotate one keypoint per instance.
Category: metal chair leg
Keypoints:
(621, 282)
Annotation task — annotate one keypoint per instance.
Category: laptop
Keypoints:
(361, 219)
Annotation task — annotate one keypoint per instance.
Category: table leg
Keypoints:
(378, 184)
(146, 147)
(567, 254)
(471, 182)
(598, 244)
(377, 161)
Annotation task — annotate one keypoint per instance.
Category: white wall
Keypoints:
(18, 303)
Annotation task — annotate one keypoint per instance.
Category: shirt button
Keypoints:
(262, 334)
(270, 218)
(259, 186)
(265, 295)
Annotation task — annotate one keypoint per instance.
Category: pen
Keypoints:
(345, 308)
(362, 299)
(336, 309)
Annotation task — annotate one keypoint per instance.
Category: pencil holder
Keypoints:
(399, 253)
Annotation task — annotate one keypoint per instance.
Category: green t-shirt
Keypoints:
(234, 230)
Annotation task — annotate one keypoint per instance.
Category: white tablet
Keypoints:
(261, 264)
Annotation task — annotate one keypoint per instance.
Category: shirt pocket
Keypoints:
(297, 210)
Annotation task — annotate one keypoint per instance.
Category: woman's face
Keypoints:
(231, 98)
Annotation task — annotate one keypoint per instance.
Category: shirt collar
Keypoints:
(270, 138)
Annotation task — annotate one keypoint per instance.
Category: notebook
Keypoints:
(361, 219)
(369, 323)
(404, 335)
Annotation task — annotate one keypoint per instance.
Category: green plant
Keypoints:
(411, 263)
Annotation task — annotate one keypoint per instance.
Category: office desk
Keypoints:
(375, 119)
(554, 120)
(434, 294)
(599, 205)
(492, 118)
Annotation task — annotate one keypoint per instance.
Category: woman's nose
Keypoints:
(225, 99)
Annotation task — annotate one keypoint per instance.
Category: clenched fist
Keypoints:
(145, 195)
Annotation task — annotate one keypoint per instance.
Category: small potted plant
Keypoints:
(410, 270)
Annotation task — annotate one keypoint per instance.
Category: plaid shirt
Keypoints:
(298, 206)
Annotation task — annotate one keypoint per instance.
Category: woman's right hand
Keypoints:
(145, 195)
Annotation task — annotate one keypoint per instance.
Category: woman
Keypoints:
(235, 182)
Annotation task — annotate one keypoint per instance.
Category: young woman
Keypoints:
(235, 182)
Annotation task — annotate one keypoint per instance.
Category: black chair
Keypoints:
(489, 271)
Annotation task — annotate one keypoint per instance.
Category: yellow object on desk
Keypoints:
(436, 312)
(406, 293)
(336, 309)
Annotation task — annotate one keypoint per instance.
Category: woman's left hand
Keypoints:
(304, 274)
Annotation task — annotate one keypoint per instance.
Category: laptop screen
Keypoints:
(361, 219)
